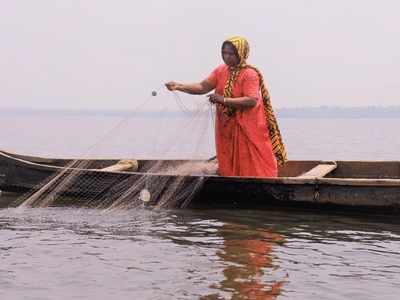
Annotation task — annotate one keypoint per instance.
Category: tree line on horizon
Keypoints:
(286, 112)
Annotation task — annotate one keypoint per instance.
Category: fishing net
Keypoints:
(171, 144)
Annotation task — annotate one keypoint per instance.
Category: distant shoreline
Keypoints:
(368, 112)
(322, 112)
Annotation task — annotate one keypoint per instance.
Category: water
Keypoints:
(87, 254)
(59, 253)
(58, 136)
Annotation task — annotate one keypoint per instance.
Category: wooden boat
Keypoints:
(344, 185)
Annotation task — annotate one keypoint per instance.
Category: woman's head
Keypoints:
(235, 51)
(230, 54)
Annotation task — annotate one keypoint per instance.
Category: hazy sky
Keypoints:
(101, 54)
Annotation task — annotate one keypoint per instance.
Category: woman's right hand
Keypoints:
(172, 85)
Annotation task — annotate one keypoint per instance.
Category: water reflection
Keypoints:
(249, 261)
(206, 255)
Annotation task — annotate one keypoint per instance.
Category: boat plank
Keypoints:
(319, 171)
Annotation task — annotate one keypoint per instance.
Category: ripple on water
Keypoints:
(83, 253)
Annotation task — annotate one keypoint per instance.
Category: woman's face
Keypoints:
(229, 55)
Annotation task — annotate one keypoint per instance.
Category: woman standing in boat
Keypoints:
(248, 140)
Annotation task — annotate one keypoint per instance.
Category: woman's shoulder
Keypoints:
(250, 72)
(221, 68)
(218, 74)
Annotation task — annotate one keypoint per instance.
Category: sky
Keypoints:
(101, 54)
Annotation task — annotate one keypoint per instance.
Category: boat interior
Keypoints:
(295, 168)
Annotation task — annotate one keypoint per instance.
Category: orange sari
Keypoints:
(242, 142)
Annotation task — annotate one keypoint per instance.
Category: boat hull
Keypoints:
(23, 174)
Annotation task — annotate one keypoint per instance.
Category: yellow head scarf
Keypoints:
(242, 47)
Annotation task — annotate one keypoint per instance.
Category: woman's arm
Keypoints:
(191, 88)
(240, 102)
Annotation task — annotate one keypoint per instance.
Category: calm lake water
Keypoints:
(71, 253)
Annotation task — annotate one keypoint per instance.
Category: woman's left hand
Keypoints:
(216, 99)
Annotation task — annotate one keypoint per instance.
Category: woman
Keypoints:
(247, 136)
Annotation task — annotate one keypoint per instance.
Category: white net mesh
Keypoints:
(168, 157)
